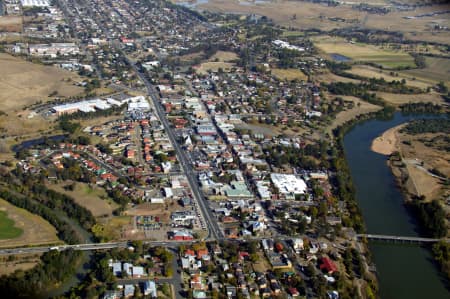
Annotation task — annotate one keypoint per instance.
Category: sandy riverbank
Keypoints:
(387, 143)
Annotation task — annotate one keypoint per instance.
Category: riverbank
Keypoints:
(387, 143)
(420, 162)
(402, 271)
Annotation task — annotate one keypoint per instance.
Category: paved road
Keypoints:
(214, 231)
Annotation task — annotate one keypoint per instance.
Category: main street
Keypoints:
(214, 231)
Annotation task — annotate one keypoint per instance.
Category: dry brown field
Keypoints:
(221, 59)
(372, 72)
(21, 262)
(312, 15)
(436, 70)
(399, 99)
(289, 74)
(415, 152)
(23, 83)
(10, 24)
(92, 198)
(329, 77)
(36, 230)
(347, 115)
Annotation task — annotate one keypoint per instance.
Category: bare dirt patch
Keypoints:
(36, 230)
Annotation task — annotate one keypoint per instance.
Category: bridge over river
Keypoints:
(402, 239)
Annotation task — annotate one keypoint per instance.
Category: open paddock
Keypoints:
(92, 198)
(360, 107)
(399, 99)
(372, 72)
(36, 230)
(11, 23)
(23, 83)
(436, 70)
(289, 74)
(360, 52)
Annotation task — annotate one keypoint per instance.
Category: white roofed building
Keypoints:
(288, 185)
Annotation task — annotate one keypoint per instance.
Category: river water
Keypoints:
(404, 271)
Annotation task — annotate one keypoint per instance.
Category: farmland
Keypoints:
(35, 230)
(315, 15)
(372, 72)
(359, 52)
(437, 69)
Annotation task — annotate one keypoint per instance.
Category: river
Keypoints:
(404, 271)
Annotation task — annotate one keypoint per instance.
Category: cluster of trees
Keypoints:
(357, 90)
(353, 262)
(65, 118)
(441, 253)
(55, 267)
(421, 126)
(68, 126)
(65, 230)
(55, 200)
(431, 216)
(419, 108)
(73, 171)
(306, 158)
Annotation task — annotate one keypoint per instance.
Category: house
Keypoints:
(180, 236)
(231, 291)
(128, 290)
(293, 292)
(327, 265)
(112, 294)
(149, 288)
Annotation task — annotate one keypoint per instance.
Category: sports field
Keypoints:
(21, 228)
(8, 230)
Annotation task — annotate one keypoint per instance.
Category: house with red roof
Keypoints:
(327, 265)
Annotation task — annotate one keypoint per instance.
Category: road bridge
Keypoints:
(400, 239)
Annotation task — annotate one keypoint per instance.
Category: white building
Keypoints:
(54, 49)
(288, 184)
(83, 106)
(37, 3)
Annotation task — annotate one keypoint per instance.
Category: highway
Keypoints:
(84, 247)
(211, 224)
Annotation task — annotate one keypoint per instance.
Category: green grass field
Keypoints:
(7, 228)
